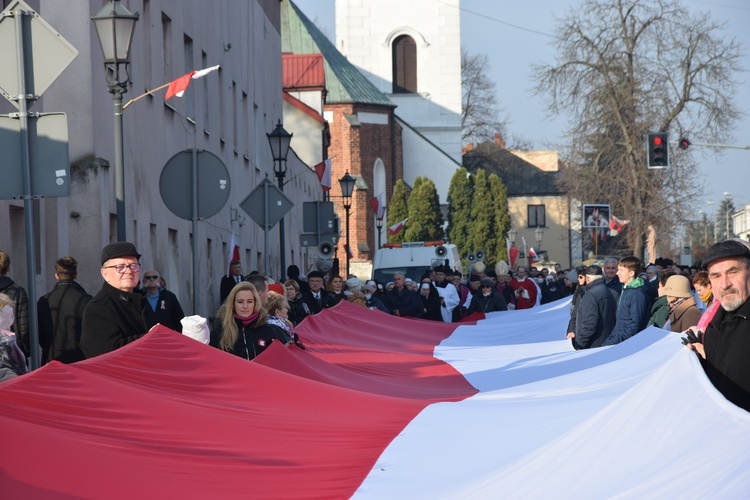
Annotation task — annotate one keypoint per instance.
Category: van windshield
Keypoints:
(385, 274)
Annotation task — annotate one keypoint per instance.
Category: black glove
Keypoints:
(295, 339)
(691, 338)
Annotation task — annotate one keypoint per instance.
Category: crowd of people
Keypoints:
(609, 304)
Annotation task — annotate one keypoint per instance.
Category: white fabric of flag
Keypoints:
(635, 420)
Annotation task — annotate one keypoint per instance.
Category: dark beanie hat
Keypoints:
(723, 250)
(314, 274)
(119, 249)
(474, 277)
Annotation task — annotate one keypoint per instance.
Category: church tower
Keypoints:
(411, 51)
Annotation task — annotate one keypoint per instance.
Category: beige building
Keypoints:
(539, 210)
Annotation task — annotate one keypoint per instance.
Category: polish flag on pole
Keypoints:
(323, 170)
(532, 256)
(179, 86)
(616, 225)
(378, 206)
(234, 253)
(397, 227)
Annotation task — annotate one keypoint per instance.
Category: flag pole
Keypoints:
(148, 92)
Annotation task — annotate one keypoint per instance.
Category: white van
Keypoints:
(413, 259)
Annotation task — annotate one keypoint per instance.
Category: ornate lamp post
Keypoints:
(115, 26)
(539, 234)
(379, 226)
(347, 188)
(279, 141)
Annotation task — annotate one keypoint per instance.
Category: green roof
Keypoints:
(344, 82)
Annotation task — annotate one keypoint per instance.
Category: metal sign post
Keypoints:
(33, 56)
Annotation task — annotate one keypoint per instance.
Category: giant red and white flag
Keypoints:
(179, 86)
(234, 253)
(378, 407)
(323, 171)
(397, 227)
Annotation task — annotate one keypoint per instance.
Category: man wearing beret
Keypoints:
(113, 317)
(725, 347)
(315, 297)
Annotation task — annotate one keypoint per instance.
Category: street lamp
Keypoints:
(539, 234)
(347, 188)
(279, 141)
(115, 26)
(512, 235)
(727, 213)
(379, 225)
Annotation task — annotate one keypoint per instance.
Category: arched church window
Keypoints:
(404, 65)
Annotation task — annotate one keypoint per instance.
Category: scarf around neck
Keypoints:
(247, 321)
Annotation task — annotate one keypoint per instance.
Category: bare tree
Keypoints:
(626, 67)
(480, 113)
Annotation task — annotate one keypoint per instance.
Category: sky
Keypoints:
(515, 36)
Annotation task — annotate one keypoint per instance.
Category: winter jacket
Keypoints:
(727, 345)
(684, 316)
(60, 315)
(492, 303)
(111, 319)
(21, 312)
(252, 339)
(298, 310)
(431, 305)
(314, 305)
(168, 311)
(575, 302)
(595, 315)
(406, 302)
(659, 312)
(633, 312)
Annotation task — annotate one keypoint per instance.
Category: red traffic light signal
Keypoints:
(657, 150)
(684, 143)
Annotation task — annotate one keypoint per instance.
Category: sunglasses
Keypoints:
(151, 277)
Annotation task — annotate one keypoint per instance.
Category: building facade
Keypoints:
(228, 113)
(411, 52)
(540, 212)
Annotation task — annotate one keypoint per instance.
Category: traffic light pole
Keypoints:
(708, 145)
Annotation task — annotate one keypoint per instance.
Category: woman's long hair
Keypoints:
(229, 330)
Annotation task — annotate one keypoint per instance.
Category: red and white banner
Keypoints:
(397, 227)
(616, 225)
(378, 407)
(378, 206)
(512, 253)
(323, 171)
(180, 85)
(234, 253)
(532, 256)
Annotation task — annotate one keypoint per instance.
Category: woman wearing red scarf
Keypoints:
(244, 330)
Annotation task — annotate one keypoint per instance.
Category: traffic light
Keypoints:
(658, 150)
(684, 143)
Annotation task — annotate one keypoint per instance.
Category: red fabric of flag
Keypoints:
(179, 86)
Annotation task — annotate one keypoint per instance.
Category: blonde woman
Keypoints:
(298, 310)
(244, 330)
